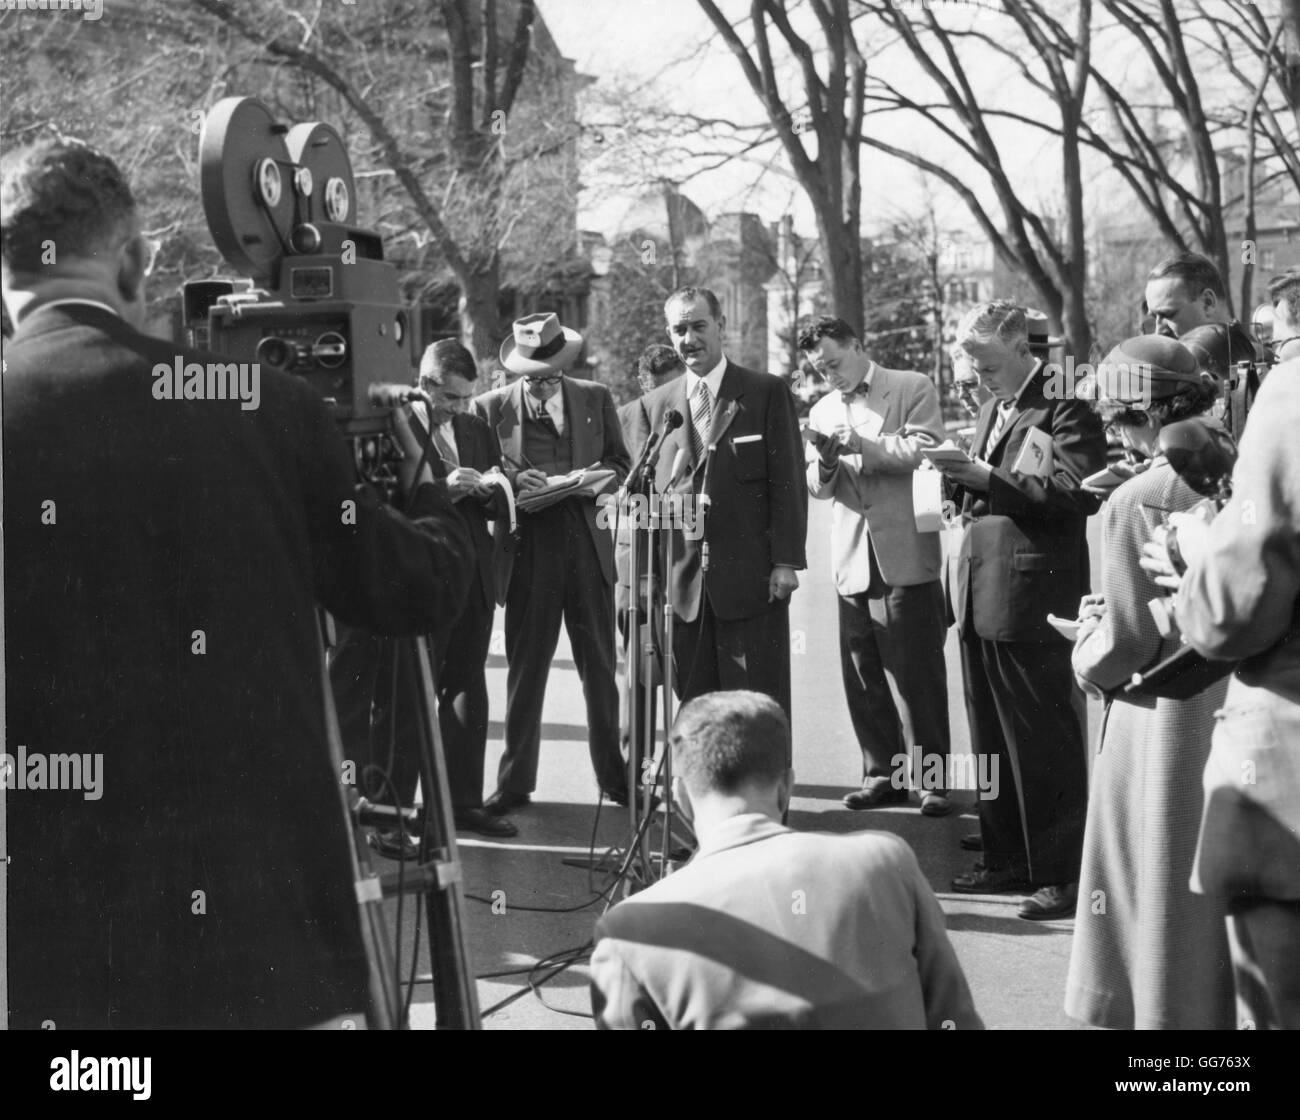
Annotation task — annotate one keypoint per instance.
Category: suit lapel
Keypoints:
(878, 392)
(1027, 391)
(467, 442)
(578, 417)
(724, 409)
(510, 425)
(1012, 417)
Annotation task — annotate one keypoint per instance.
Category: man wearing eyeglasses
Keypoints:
(561, 567)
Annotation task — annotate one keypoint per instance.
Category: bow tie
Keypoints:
(860, 391)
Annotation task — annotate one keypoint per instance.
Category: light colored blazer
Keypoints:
(769, 928)
(872, 492)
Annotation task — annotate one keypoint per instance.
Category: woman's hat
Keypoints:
(538, 344)
(1143, 369)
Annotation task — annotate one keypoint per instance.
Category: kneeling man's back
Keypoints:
(770, 928)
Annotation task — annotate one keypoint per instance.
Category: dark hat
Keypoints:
(538, 344)
(1142, 369)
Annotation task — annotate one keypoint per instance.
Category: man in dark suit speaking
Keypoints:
(163, 561)
(739, 447)
(1024, 556)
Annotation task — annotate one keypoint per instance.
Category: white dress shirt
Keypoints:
(447, 434)
(713, 379)
(856, 413)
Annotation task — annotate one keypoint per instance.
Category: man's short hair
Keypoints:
(65, 192)
(447, 356)
(996, 319)
(722, 741)
(1286, 288)
(825, 326)
(690, 294)
(1194, 273)
(656, 360)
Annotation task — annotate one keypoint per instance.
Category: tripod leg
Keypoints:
(454, 991)
(385, 1010)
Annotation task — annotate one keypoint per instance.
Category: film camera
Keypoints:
(318, 299)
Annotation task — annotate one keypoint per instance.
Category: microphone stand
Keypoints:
(640, 508)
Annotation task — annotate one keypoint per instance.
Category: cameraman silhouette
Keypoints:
(163, 564)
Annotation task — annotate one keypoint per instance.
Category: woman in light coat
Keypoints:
(1147, 952)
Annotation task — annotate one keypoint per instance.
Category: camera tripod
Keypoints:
(437, 872)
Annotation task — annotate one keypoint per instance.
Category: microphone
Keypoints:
(672, 421)
(679, 468)
(390, 396)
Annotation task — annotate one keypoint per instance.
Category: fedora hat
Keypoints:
(1040, 336)
(538, 344)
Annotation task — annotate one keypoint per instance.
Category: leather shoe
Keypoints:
(484, 823)
(875, 797)
(1050, 902)
(972, 842)
(983, 880)
(935, 805)
(501, 802)
(393, 843)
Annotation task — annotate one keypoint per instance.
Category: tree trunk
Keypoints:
(1074, 321)
(480, 315)
(842, 268)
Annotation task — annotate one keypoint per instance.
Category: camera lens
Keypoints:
(275, 353)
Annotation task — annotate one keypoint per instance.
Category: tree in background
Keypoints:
(460, 129)
(639, 280)
(831, 115)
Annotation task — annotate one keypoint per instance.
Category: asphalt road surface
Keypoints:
(1016, 969)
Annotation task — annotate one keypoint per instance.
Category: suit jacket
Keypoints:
(476, 447)
(163, 562)
(769, 928)
(1024, 553)
(872, 492)
(627, 420)
(592, 423)
(758, 512)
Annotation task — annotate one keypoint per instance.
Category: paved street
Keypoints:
(1016, 968)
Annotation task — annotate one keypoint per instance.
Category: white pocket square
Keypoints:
(747, 439)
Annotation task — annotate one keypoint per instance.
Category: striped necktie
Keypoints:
(701, 419)
(445, 448)
(1000, 422)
